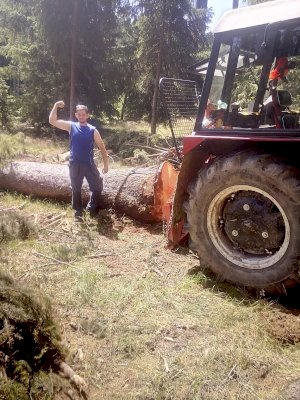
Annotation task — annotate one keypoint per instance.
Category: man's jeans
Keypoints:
(79, 171)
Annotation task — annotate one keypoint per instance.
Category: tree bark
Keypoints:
(158, 71)
(73, 56)
(127, 190)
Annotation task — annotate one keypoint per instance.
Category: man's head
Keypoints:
(82, 113)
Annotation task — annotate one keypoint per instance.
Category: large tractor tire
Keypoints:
(243, 217)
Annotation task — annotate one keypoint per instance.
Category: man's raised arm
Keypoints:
(59, 123)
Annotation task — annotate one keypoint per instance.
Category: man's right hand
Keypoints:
(60, 104)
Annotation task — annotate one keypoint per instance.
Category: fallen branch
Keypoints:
(157, 271)
(53, 221)
(56, 232)
(165, 363)
(34, 268)
(13, 208)
(51, 258)
(146, 147)
(67, 372)
(100, 255)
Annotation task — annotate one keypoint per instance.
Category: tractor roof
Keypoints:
(260, 14)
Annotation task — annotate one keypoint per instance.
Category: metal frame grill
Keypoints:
(180, 99)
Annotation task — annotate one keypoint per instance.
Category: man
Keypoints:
(282, 68)
(273, 110)
(82, 165)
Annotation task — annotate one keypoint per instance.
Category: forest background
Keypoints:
(108, 54)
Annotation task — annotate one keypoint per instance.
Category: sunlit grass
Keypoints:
(147, 329)
(19, 144)
(11, 146)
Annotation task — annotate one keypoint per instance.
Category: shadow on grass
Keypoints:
(288, 303)
(111, 223)
(208, 280)
(107, 224)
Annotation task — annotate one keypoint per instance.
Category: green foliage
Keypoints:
(96, 41)
(14, 226)
(12, 390)
(69, 253)
(116, 54)
(174, 31)
(10, 146)
(46, 386)
(27, 62)
(245, 86)
(6, 104)
(29, 345)
(292, 86)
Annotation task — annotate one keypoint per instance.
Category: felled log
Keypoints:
(127, 190)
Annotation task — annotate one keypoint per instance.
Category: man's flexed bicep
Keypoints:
(59, 123)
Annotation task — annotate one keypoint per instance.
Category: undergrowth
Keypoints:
(30, 345)
(13, 226)
(11, 146)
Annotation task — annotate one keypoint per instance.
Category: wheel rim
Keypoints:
(235, 248)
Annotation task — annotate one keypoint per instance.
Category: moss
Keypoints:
(12, 390)
(45, 386)
(22, 373)
(29, 344)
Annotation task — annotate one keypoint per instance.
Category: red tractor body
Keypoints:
(237, 195)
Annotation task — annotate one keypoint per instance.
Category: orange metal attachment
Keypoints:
(164, 188)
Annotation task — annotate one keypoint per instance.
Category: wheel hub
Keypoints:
(253, 223)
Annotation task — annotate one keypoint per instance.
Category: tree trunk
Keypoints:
(158, 72)
(123, 107)
(127, 190)
(73, 57)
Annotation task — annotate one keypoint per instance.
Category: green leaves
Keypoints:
(117, 49)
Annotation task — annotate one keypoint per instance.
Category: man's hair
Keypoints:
(81, 107)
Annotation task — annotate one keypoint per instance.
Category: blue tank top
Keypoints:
(82, 142)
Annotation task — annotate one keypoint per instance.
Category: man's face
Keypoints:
(82, 116)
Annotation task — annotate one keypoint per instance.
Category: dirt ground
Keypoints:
(140, 321)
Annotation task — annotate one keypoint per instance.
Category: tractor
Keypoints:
(234, 192)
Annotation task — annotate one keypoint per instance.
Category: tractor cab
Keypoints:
(249, 86)
(252, 75)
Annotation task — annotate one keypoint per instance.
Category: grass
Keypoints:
(21, 145)
(143, 334)
(146, 327)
